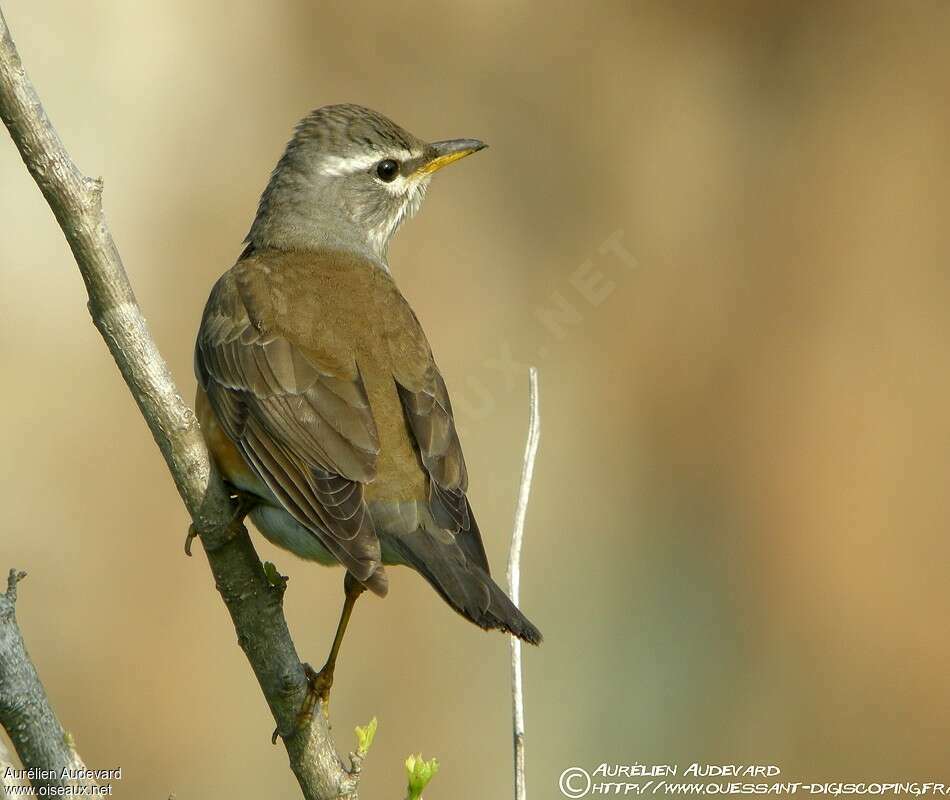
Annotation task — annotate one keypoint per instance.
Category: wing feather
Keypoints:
(429, 415)
(306, 428)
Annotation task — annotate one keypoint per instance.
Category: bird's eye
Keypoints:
(387, 170)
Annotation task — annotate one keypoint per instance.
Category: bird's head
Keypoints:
(348, 178)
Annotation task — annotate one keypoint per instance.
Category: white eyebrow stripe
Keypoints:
(337, 166)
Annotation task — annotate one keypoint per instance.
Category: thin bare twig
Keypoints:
(255, 607)
(514, 578)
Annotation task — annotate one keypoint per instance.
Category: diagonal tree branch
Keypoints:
(254, 605)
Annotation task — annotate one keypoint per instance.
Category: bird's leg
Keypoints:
(245, 504)
(321, 682)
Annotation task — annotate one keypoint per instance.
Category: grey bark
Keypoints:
(254, 605)
(25, 712)
(10, 782)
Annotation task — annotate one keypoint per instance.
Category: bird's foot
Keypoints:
(318, 692)
(193, 533)
(320, 684)
(245, 504)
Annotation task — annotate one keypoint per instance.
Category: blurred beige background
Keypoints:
(737, 543)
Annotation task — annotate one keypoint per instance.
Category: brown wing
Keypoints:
(428, 411)
(303, 423)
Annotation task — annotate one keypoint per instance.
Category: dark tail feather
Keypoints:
(463, 584)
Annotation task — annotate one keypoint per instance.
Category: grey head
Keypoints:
(348, 178)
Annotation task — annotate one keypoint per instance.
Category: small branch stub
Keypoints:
(13, 579)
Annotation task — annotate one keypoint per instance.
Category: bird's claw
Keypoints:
(192, 535)
(245, 504)
(318, 692)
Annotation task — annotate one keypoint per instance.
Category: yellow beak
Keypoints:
(441, 154)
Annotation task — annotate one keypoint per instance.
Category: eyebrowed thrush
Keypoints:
(318, 393)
